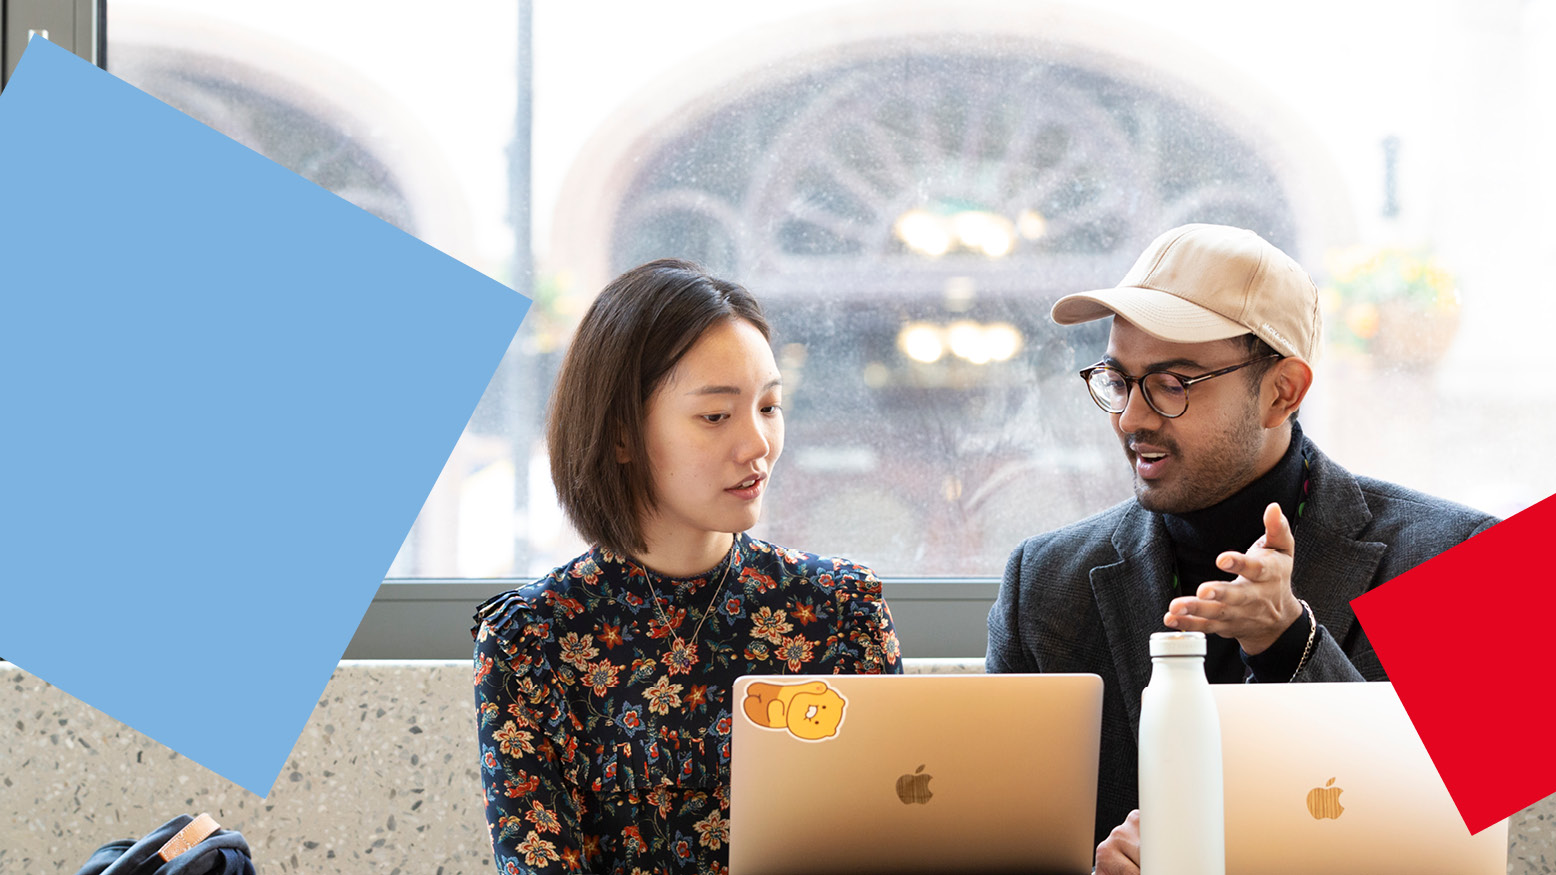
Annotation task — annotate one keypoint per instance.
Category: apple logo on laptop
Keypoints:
(1324, 801)
(914, 789)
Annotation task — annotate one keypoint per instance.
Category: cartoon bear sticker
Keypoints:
(811, 711)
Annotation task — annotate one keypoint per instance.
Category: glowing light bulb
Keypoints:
(921, 342)
(967, 342)
(1031, 224)
(1002, 340)
(923, 232)
(984, 232)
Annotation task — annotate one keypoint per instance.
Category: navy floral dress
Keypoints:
(604, 722)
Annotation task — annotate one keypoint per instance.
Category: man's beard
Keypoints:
(1228, 464)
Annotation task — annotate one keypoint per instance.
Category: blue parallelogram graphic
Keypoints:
(226, 393)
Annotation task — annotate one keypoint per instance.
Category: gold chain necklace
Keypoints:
(690, 648)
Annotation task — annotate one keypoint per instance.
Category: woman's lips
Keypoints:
(749, 488)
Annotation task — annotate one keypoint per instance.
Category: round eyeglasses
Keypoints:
(1165, 391)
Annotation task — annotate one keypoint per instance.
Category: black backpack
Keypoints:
(183, 846)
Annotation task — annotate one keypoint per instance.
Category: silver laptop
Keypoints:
(914, 773)
(1333, 778)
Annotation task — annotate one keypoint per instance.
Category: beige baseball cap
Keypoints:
(1210, 282)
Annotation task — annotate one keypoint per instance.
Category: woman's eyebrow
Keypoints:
(733, 390)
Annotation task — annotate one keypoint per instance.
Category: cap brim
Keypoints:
(1162, 315)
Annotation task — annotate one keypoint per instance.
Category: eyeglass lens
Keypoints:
(1165, 393)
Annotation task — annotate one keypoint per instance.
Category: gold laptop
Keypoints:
(914, 773)
(1332, 778)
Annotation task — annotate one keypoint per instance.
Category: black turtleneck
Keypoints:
(1198, 537)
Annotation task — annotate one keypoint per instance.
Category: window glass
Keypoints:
(908, 194)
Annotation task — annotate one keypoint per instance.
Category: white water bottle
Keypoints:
(1182, 825)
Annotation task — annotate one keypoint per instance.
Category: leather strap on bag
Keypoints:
(194, 833)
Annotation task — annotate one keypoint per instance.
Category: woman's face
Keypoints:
(714, 430)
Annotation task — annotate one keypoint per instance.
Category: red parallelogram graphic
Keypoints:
(1466, 640)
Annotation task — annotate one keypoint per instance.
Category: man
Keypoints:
(1207, 363)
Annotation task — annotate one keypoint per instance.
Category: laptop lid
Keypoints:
(914, 773)
(1333, 778)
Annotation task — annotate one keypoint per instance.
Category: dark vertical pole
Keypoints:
(524, 383)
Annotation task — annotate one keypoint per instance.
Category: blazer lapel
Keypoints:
(1132, 595)
(1332, 565)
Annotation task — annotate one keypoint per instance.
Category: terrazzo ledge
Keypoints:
(383, 780)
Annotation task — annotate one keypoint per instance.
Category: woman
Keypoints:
(604, 689)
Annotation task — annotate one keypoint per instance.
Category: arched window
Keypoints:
(261, 113)
(908, 219)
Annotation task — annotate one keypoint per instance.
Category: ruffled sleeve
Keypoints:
(530, 764)
(864, 639)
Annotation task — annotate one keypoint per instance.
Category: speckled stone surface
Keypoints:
(1531, 839)
(383, 780)
(954, 665)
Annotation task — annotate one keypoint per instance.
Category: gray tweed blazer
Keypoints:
(1086, 598)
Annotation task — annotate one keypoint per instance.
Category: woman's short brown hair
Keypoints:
(634, 334)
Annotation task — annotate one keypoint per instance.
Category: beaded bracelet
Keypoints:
(1312, 634)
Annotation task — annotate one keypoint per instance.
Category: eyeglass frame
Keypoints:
(1187, 381)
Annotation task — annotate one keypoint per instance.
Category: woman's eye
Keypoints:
(772, 408)
(715, 417)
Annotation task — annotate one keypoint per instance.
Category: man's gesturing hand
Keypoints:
(1256, 607)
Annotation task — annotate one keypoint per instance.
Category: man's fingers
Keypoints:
(1240, 564)
(1215, 595)
(1185, 620)
(1119, 853)
(1255, 568)
(1213, 599)
(1277, 530)
(1130, 830)
(1203, 605)
(1111, 861)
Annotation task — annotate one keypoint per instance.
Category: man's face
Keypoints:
(1213, 449)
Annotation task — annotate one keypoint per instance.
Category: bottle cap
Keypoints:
(1178, 644)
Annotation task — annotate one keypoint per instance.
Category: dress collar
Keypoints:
(628, 574)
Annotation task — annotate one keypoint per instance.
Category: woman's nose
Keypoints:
(754, 442)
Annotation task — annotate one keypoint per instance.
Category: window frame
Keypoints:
(426, 618)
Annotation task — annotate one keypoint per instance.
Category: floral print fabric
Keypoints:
(604, 719)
